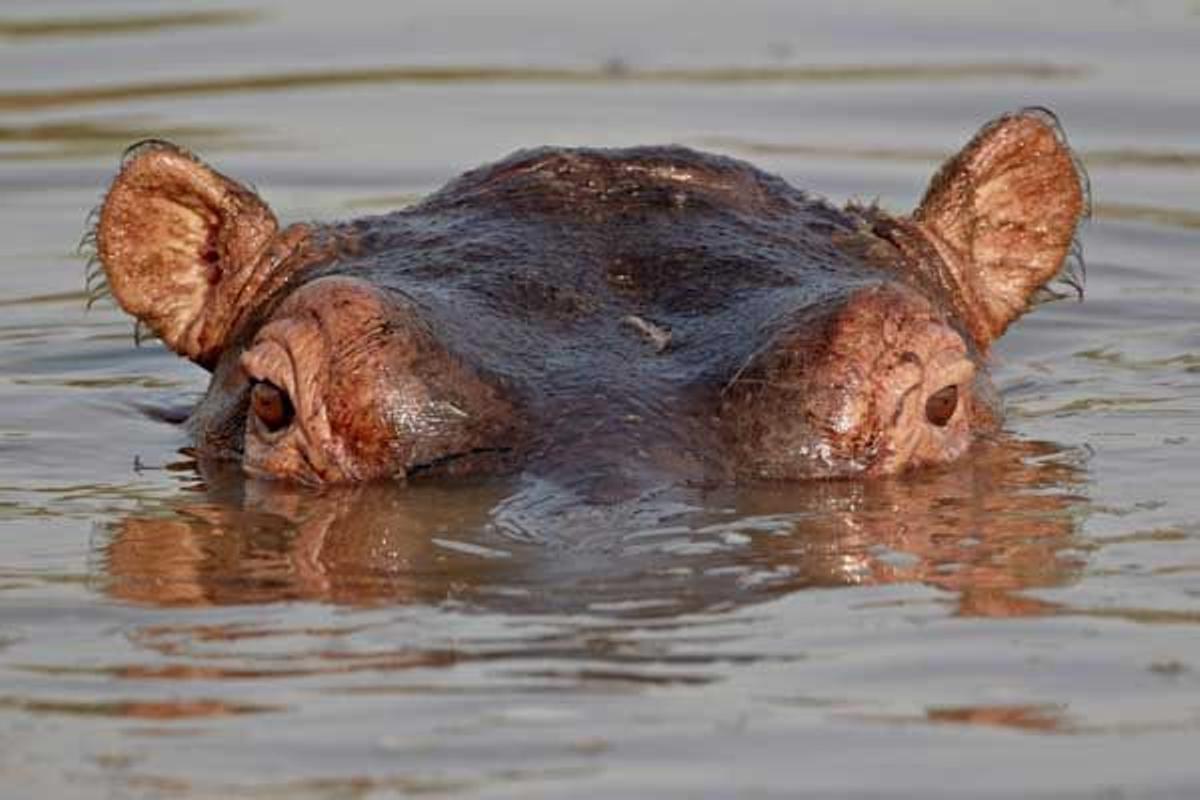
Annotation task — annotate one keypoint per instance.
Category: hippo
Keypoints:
(613, 313)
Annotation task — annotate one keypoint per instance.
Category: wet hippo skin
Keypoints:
(569, 312)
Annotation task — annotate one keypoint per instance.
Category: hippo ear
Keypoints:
(179, 243)
(1003, 215)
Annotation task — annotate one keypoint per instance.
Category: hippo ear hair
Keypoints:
(177, 240)
(1003, 213)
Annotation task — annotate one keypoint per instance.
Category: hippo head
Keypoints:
(615, 308)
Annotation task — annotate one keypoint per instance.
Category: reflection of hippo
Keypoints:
(596, 311)
(986, 533)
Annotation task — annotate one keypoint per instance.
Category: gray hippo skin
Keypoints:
(574, 312)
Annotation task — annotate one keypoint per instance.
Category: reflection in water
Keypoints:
(1029, 718)
(76, 26)
(149, 710)
(612, 73)
(79, 138)
(1120, 157)
(985, 531)
(1177, 217)
(1037, 718)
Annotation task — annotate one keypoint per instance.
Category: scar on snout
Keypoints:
(657, 335)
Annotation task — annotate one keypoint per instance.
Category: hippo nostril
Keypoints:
(941, 405)
(271, 406)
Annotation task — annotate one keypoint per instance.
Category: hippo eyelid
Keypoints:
(272, 358)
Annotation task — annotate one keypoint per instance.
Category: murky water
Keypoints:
(1027, 624)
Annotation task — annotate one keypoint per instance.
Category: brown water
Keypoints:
(1026, 624)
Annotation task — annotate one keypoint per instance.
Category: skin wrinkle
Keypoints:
(900, 404)
(909, 357)
(883, 375)
(258, 281)
(322, 447)
(921, 246)
(902, 449)
(291, 358)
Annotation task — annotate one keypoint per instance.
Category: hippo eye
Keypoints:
(272, 406)
(940, 406)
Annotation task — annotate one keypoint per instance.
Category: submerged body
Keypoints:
(597, 312)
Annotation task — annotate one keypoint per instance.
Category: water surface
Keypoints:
(1025, 624)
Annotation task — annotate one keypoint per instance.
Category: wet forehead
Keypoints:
(621, 179)
(566, 234)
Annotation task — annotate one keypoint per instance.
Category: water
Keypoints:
(1023, 625)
